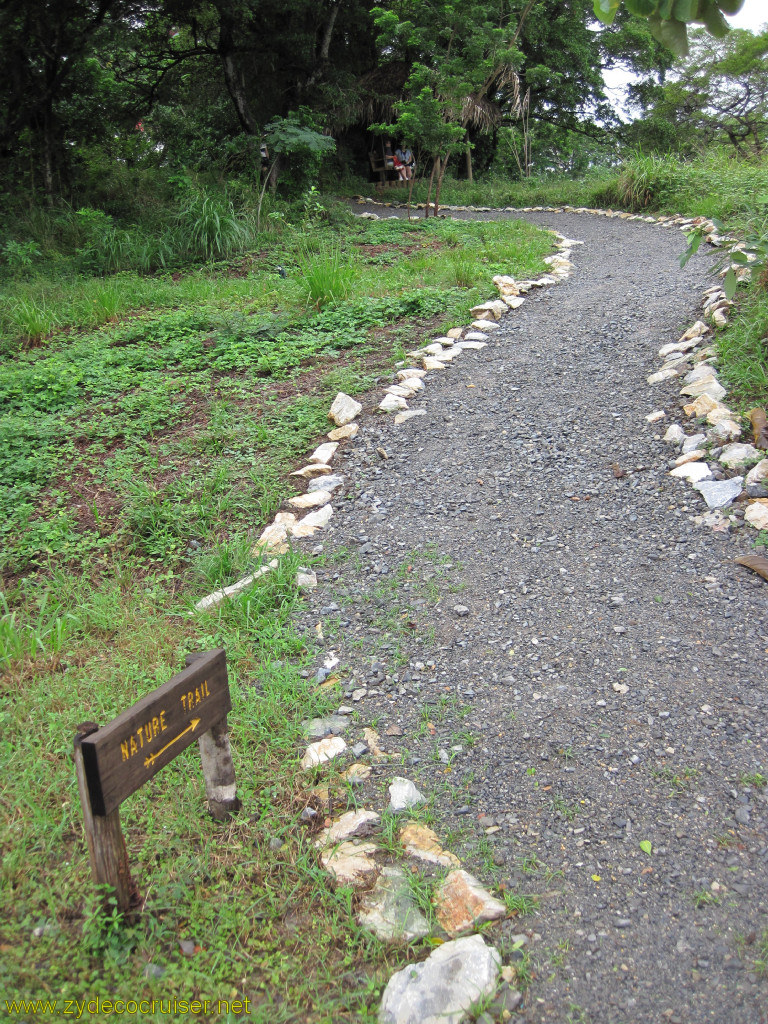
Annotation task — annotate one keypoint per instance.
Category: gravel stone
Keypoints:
(503, 496)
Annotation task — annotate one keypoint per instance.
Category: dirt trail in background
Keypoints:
(576, 584)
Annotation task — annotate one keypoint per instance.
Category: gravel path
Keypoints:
(571, 585)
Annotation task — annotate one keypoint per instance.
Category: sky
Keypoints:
(753, 16)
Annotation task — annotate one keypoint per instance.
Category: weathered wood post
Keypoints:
(106, 845)
(218, 767)
(114, 761)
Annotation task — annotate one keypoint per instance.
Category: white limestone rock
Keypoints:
(724, 430)
(461, 903)
(327, 483)
(430, 363)
(347, 432)
(692, 456)
(476, 336)
(313, 522)
(757, 515)
(235, 588)
(422, 844)
(322, 456)
(351, 864)
(476, 345)
(403, 417)
(506, 285)
(412, 385)
(403, 794)
(309, 472)
(693, 471)
(675, 434)
(679, 347)
(693, 442)
(485, 326)
(701, 406)
(718, 414)
(719, 493)
(700, 372)
(698, 330)
(666, 373)
(758, 473)
(275, 536)
(710, 387)
(322, 751)
(306, 579)
(450, 354)
(392, 403)
(312, 499)
(738, 454)
(344, 409)
(389, 910)
(351, 825)
(411, 373)
(441, 989)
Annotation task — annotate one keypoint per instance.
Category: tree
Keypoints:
(669, 19)
(719, 94)
(51, 80)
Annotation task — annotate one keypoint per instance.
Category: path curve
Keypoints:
(576, 582)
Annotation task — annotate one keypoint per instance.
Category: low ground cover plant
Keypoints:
(138, 461)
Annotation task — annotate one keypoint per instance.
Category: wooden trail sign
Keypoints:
(114, 761)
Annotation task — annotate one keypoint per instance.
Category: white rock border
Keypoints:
(410, 381)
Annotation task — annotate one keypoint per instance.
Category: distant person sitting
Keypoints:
(399, 167)
(405, 156)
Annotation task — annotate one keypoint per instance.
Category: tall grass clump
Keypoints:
(327, 276)
(714, 185)
(27, 318)
(743, 350)
(213, 229)
(44, 632)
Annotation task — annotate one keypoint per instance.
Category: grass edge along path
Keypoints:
(227, 912)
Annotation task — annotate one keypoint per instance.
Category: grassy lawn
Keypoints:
(147, 425)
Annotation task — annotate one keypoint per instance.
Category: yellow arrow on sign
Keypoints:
(149, 761)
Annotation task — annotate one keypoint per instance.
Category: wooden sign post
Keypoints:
(114, 761)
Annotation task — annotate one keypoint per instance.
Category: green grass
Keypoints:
(97, 450)
(138, 462)
(743, 351)
(539, 190)
(714, 185)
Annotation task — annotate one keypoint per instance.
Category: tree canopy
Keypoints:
(196, 82)
(717, 94)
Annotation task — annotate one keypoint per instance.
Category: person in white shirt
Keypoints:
(405, 156)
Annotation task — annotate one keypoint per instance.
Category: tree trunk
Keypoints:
(469, 163)
(440, 177)
(435, 162)
(232, 76)
(325, 47)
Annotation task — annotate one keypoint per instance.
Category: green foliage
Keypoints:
(718, 95)
(20, 255)
(327, 276)
(712, 186)
(669, 19)
(212, 228)
(299, 144)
